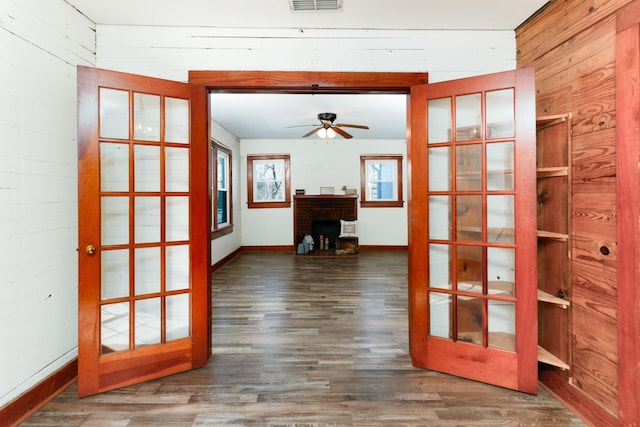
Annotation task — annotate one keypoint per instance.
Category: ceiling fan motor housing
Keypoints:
(327, 117)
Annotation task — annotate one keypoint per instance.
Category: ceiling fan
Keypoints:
(328, 129)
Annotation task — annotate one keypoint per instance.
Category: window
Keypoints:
(268, 181)
(381, 181)
(222, 207)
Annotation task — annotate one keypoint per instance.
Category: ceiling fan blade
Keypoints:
(342, 133)
(346, 125)
(311, 132)
(300, 126)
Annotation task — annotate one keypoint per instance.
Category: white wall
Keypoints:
(314, 164)
(169, 52)
(41, 42)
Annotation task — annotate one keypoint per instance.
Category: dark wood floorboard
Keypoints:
(308, 341)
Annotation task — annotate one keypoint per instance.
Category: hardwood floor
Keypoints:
(307, 341)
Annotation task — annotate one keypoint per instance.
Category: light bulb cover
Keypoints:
(322, 133)
(331, 133)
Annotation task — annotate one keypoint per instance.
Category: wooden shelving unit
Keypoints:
(554, 235)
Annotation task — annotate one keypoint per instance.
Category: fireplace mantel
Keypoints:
(307, 208)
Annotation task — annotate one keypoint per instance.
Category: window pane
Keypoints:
(147, 219)
(470, 319)
(502, 325)
(176, 126)
(147, 270)
(177, 268)
(500, 219)
(222, 183)
(114, 274)
(177, 169)
(501, 271)
(223, 160)
(114, 330)
(440, 169)
(177, 316)
(146, 116)
(469, 217)
(177, 218)
(114, 113)
(439, 315)
(469, 268)
(114, 167)
(439, 122)
(468, 117)
(440, 266)
(222, 207)
(381, 180)
(500, 112)
(500, 166)
(147, 322)
(440, 217)
(268, 180)
(146, 165)
(469, 167)
(114, 220)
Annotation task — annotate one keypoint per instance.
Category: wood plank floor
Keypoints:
(305, 341)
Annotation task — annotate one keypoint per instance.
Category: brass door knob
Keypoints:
(90, 250)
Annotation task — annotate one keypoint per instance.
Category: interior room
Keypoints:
(556, 179)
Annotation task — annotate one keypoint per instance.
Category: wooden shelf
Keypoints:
(546, 297)
(554, 181)
(545, 357)
(552, 235)
(552, 171)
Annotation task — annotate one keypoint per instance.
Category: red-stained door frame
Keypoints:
(628, 209)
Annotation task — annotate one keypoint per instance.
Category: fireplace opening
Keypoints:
(328, 229)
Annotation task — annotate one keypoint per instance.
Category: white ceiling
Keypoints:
(269, 116)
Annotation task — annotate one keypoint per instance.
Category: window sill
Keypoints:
(383, 204)
(223, 231)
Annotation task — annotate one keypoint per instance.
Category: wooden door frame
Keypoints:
(318, 82)
(628, 209)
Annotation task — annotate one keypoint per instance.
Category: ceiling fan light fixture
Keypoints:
(322, 133)
(331, 133)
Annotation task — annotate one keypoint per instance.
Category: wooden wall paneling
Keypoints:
(561, 21)
(595, 358)
(628, 207)
(594, 155)
(572, 44)
(577, 60)
(569, 91)
(577, 53)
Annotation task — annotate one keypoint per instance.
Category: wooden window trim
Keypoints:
(286, 203)
(363, 183)
(219, 231)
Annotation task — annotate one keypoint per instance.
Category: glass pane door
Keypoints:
(143, 276)
(478, 291)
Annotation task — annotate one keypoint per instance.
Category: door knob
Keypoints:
(90, 250)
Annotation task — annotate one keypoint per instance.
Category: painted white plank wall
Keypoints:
(41, 42)
(169, 52)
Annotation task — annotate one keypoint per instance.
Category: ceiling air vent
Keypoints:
(298, 5)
